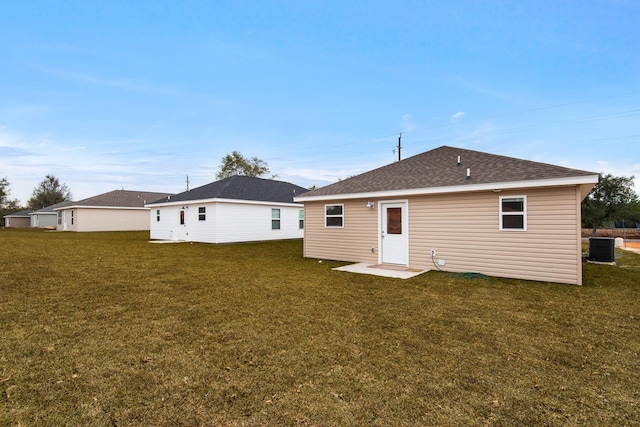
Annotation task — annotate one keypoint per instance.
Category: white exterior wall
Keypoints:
(43, 220)
(225, 222)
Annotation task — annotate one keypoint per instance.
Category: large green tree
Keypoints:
(612, 198)
(4, 190)
(236, 164)
(49, 192)
(7, 205)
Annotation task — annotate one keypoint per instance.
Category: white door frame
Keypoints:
(394, 249)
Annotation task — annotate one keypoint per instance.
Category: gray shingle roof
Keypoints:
(49, 209)
(241, 188)
(121, 198)
(20, 214)
(439, 168)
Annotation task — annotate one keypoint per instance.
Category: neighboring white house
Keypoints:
(234, 209)
(47, 217)
(119, 210)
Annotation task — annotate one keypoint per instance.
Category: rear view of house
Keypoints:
(234, 209)
(456, 210)
(119, 210)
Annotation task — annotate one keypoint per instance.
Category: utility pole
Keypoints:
(187, 182)
(399, 146)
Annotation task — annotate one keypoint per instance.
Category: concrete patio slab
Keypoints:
(385, 270)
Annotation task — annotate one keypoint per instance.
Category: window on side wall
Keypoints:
(334, 216)
(158, 215)
(59, 217)
(301, 219)
(513, 213)
(71, 217)
(275, 219)
(202, 213)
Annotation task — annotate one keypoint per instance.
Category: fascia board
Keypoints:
(556, 182)
(218, 200)
(102, 207)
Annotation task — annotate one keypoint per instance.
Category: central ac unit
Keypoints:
(602, 249)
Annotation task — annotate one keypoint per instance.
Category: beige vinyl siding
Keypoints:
(353, 242)
(17, 222)
(108, 219)
(464, 231)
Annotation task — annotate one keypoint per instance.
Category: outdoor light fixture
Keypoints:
(370, 204)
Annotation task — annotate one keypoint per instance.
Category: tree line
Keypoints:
(611, 199)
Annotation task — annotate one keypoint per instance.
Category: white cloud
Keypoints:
(458, 115)
(112, 83)
(318, 177)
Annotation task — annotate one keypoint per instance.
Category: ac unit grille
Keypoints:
(602, 249)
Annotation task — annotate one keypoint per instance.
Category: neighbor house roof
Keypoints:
(50, 209)
(20, 214)
(438, 170)
(118, 199)
(240, 188)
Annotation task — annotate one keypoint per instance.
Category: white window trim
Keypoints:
(279, 219)
(523, 213)
(333, 216)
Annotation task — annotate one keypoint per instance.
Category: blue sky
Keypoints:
(139, 94)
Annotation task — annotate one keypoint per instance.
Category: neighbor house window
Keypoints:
(71, 217)
(275, 219)
(181, 217)
(513, 213)
(334, 215)
(202, 213)
(158, 215)
(301, 219)
(59, 217)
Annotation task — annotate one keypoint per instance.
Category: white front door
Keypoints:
(181, 233)
(394, 233)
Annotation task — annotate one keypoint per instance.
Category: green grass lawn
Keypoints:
(106, 329)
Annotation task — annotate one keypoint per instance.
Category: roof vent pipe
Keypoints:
(468, 173)
(459, 161)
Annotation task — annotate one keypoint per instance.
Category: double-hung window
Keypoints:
(334, 216)
(202, 213)
(513, 213)
(157, 215)
(275, 219)
(301, 219)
